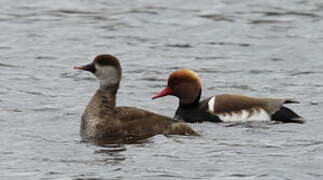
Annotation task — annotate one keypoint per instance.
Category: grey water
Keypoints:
(257, 48)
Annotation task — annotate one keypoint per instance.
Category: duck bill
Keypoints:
(165, 92)
(89, 67)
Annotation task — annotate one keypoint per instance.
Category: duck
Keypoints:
(103, 119)
(185, 84)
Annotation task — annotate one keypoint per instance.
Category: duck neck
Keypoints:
(109, 88)
(194, 103)
(106, 98)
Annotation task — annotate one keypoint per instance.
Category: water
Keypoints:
(259, 48)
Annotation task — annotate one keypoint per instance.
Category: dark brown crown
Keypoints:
(106, 60)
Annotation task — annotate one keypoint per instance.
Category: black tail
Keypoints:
(286, 115)
(289, 101)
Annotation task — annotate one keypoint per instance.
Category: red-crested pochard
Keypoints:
(186, 85)
(102, 119)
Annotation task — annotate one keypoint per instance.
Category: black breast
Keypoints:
(193, 113)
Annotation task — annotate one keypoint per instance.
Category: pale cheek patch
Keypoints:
(108, 75)
(245, 115)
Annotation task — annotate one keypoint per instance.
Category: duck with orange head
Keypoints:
(186, 85)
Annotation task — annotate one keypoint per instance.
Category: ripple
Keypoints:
(315, 175)
(85, 178)
(242, 87)
(304, 143)
(71, 11)
(211, 70)
(45, 57)
(107, 142)
(76, 76)
(230, 43)
(32, 92)
(289, 13)
(259, 71)
(5, 47)
(268, 21)
(45, 109)
(209, 58)
(153, 79)
(111, 149)
(276, 59)
(240, 175)
(302, 73)
(6, 153)
(179, 45)
(217, 17)
(314, 103)
(251, 124)
(140, 11)
(7, 65)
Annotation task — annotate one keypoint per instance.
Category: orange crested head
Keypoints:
(184, 84)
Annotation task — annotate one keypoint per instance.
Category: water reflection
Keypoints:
(113, 141)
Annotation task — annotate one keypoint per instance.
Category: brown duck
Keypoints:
(186, 85)
(102, 119)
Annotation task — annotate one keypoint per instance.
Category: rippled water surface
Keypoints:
(260, 48)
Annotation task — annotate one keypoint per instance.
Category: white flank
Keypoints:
(211, 104)
(245, 116)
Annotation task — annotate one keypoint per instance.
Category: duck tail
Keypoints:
(182, 129)
(286, 115)
(290, 101)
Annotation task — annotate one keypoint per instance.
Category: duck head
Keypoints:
(184, 84)
(106, 68)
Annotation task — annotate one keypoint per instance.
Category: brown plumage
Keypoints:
(185, 84)
(231, 102)
(102, 119)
